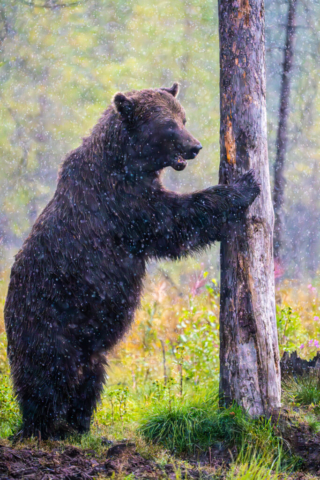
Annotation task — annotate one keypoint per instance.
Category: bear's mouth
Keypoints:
(178, 163)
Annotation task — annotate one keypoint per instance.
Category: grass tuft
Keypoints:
(304, 390)
(251, 465)
(193, 424)
(313, 423)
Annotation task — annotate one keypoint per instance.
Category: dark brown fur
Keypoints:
(77, 280)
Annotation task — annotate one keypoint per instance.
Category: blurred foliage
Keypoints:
(289, 329)
(59, 68)
(9, 411)
(298, 318)
(302, 208)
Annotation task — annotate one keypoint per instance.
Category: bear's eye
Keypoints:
(171, 125)
(184, 121)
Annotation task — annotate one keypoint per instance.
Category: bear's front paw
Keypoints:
(248, 186)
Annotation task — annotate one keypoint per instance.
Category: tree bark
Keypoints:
(249, 354)
(279, 181)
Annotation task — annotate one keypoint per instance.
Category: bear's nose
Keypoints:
(195, 150)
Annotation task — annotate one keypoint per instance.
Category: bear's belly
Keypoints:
(87, 301)
(106, 298)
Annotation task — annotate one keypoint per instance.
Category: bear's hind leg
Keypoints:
(86, 397)
(43, 413)
(44, 383)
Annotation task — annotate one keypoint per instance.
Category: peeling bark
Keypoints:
(249, 354)
(230, 143)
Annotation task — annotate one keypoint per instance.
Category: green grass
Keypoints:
(163, 423)
(190, 424)
(186, 424)
(253, 466)
(303, 391)
(313, 423)
(10, 418)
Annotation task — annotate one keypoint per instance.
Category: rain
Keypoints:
(61, 64)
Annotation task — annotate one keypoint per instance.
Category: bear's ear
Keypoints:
(123, 105)
(174, 90)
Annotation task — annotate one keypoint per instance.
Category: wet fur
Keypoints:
(77, 280)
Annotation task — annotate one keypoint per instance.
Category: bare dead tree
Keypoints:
(281, 145)
(249, 354)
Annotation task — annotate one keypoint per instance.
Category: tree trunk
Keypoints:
(279, 181)
(249, 354)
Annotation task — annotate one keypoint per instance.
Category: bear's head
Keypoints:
(157, 137)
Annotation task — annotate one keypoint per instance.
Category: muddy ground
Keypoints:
(62, 462)
(73, 463)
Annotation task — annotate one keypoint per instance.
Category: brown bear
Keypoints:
(77, 280)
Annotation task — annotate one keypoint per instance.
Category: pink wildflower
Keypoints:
(198, 282)
(278, 269)
(310, 343)
(316, 319)
(316, 344)
(301, 346)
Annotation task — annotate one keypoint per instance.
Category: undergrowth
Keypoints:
(303, 390)
(10, 418)
(195, 423)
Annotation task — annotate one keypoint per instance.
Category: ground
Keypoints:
(127, 460)
(121, 460)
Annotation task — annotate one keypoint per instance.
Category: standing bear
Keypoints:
(77, 281)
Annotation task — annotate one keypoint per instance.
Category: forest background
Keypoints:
(60, 67)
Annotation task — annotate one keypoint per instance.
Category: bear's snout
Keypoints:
(193, 152)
